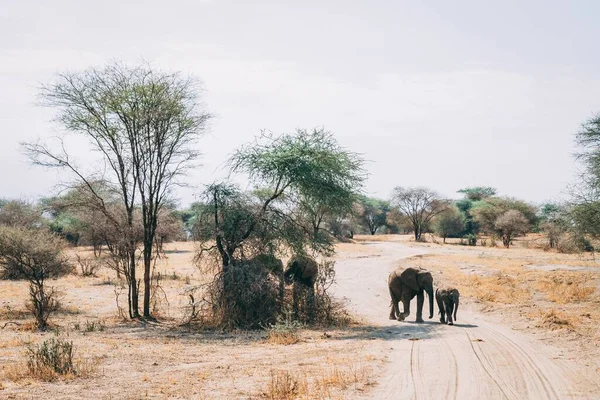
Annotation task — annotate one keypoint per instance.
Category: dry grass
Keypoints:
(163, 360)
(554, 319)
(32, 369)
(327, 383)
(500, 288)
(284, 386)
(19, 372)
(565, 287)
(283, 337)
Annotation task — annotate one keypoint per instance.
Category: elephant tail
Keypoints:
(392, 297)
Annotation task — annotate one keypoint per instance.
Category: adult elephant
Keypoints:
(404, 285)
(302, 271)
(275, 266)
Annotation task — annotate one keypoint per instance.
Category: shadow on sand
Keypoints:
(409, 330)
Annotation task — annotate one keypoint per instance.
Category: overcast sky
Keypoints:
(444, 95)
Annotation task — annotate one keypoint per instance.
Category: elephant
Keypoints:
(447, 300)
(302, 271)
(404, 284)
(275, 266)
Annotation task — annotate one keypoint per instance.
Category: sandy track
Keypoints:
(474, 359)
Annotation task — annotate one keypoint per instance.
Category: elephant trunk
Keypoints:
(430, 293)
(455, 304)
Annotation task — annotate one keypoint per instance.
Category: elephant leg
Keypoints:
(420, 302)
(450, 308)
(395, 311)
(440, 304)
(406, 305)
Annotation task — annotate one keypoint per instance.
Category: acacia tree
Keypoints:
(292, 169)
(555, 220)
(420, 205)
(305, 165)
(510, 225)
(144, 123)
(585, 202)
(374, 213)
(487, 211)
(477, 193)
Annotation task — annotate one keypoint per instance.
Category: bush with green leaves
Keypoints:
(36, 256)
(450, 223)
(288, 173)
(471, 239)
(52, 356)
(486, 213)
(374, 213)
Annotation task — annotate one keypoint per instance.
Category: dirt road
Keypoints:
(474, 359)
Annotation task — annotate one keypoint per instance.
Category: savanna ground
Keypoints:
(549, 300)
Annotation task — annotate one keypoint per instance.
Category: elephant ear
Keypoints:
(409, 278)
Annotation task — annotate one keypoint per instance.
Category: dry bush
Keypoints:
(573, 243)
(344, 378)
(244, 296)
(43, 302)
(324, 309)
(556, 320)
(564, 288)
(88, 266)
(326, 383)
(285, 331)
(284, 386)
(328, 310)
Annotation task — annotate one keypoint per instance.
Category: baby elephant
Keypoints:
(447, 300)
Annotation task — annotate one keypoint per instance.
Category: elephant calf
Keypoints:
(447, 300)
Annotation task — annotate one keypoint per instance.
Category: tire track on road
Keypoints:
(508, 392)
(416, 372)
(526, 364)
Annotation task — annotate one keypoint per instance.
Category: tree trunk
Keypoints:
(417, 234)
(147, 289)
(134, 307)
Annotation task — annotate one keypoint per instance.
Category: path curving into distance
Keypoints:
(474, 359)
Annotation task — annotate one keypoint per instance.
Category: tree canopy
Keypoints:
(144, 123)
(420, 205)
(291, 170)
(477, 193)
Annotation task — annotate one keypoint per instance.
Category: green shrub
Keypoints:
(471, 239)
(52, 356)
